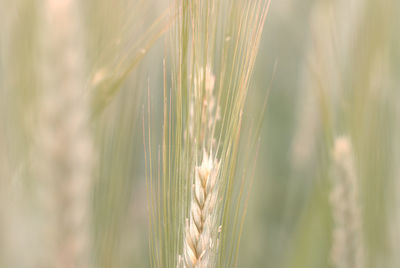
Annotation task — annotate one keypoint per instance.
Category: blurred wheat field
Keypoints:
(205, 133)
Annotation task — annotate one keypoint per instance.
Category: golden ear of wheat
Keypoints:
(201, 226)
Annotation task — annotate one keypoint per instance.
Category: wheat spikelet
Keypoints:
(201, 228)
(347, 250)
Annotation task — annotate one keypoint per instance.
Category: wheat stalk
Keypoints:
(347, 249)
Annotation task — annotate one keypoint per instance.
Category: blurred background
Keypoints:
(331, 68)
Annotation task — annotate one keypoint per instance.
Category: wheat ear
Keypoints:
(201, 228)
(64, 141)
(347, 250)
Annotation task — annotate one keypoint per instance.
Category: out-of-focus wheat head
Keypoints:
(347, 248)
(333, 27)
(64, 145)
(347, 87)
